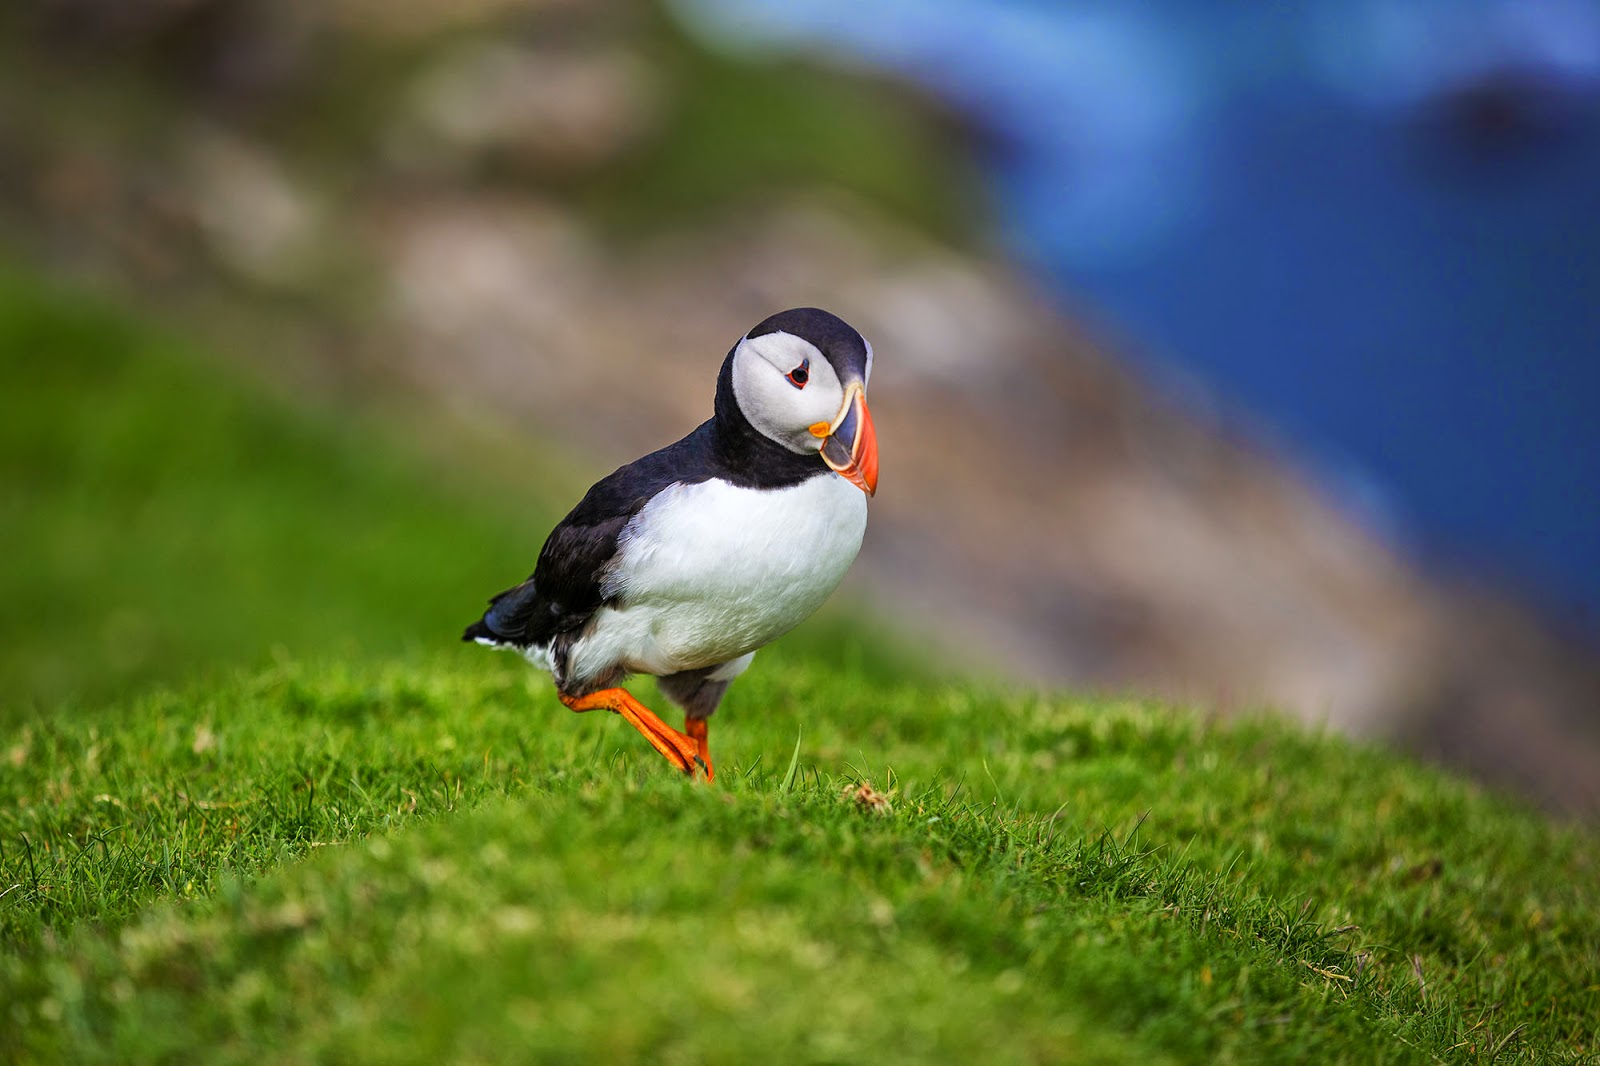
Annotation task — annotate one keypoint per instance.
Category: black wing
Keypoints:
(565, 588)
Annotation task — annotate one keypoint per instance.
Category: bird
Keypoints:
(684, 563)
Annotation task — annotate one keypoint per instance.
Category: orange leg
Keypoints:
(680, 751)
(695, 728)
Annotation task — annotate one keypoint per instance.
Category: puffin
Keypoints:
(684, 563)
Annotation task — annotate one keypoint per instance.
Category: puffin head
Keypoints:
(800, 379)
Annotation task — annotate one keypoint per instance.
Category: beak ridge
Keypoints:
(851, 447)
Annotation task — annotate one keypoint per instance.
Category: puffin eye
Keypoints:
(800, 374)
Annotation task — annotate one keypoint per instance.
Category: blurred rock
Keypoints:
(253, 216)
(543, 109)
(230, 50)
(422, 18)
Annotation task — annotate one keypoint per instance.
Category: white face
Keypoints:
(770, 399)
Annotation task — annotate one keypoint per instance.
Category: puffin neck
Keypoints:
(745, 452)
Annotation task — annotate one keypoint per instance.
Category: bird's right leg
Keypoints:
(695, 729)
(681, 751)
(699, 692)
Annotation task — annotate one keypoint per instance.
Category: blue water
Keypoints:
(1278, 200)
(1432, 336)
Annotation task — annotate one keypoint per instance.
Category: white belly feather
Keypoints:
(708, 572)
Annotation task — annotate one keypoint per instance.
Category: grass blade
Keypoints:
(794, 763)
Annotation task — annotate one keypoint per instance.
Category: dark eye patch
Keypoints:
(800, 374)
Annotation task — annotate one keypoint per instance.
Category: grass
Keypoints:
(425, 860)
(354, 849)
(158, 514)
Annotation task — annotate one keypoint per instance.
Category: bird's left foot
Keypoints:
(681, 751)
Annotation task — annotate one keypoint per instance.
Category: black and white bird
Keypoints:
(683, 563)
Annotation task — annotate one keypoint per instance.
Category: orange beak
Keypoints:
(850, 444)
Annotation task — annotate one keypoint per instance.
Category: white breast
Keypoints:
(706, 573)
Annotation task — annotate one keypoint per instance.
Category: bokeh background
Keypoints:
(1238, 355)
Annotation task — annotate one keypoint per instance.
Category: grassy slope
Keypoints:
(156, 514)
(1106, 878)
(410, 858)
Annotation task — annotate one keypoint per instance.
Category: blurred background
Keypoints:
(1237, 355)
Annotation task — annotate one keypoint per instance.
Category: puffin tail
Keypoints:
(479, 631)
(505, 623)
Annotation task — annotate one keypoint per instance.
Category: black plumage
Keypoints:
(832, 335)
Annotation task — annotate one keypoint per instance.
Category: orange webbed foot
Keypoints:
(681, 751)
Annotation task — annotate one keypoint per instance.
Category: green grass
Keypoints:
(158, 513)
(483, 871)
(355, 849)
